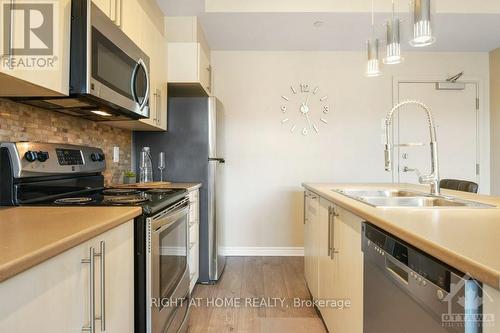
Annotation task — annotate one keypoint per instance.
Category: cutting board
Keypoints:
(142, 185)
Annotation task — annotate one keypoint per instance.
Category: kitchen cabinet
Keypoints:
(311, 244)
(50, 75)
(194, 237)
(336, 264)
(189, 69)
(64, 282)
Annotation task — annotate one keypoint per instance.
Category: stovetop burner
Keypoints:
(125, 200)
(72, 201)
(120, 191)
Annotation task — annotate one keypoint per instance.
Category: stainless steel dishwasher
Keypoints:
(408, 291)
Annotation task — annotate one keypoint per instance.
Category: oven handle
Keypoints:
(167, 220)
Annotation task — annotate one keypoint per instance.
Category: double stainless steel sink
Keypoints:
(407, 198)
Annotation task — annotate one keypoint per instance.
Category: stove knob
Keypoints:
(440, 295)
(31, 156)
(43, 156)
(94, 157)
(102, 157)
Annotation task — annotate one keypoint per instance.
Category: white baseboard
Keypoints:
(240, 251)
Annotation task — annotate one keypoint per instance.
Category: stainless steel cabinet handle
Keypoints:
(91, 326)
(333, 251)
(329, 230)
(305, 208)
(102, 255)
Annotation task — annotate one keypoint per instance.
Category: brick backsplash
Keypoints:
(20, 122)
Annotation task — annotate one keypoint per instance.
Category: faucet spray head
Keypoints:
(388, 157)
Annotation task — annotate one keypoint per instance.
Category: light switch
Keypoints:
(116, 154)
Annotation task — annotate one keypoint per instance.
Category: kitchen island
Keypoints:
(464, 238)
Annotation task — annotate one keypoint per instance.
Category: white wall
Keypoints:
(266, 164)
(495, 120)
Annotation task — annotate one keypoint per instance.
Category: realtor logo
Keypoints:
(29, 34)
(468, 297)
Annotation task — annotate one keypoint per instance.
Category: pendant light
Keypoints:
(420, 14)
(393, 55)
(373, 64)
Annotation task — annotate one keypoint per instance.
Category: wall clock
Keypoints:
(304, 109)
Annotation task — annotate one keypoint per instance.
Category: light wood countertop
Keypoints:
(464, 238)
(31, 235)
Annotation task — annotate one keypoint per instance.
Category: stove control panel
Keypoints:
(30, 159)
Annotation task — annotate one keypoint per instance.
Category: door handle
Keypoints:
(329, 229)
(91, 261)
(91, 326)
(102, 255)
(220, 160)
(333, 251)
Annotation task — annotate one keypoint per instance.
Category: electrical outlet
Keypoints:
(116, 154)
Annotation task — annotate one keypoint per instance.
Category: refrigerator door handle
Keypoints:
(220, 160)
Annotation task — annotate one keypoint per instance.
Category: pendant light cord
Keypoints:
(373, 18)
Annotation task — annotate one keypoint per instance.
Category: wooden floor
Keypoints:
(255, 282)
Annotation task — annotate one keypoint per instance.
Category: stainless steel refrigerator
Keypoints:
(193, 148)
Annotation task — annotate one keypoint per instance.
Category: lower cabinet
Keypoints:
(335, 246)
(311, 244)
(194, 238)
(55, 296)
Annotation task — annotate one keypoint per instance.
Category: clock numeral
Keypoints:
(304, 87)
(324, 120)
(293, 128)
(316, 128)
(323, 98)
(315, 91)
(285, 98)
(304, 131)
(326, 109)
(283, 108)
(284, 120)
(293, 89)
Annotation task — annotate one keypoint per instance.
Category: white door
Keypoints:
(455, 115)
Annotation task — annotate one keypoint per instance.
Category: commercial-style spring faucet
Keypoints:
(433, 178)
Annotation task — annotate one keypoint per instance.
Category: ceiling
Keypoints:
(338, 31)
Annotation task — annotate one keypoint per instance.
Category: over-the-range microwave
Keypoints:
(109, 73)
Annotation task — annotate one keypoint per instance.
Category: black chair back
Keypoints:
(458, 185)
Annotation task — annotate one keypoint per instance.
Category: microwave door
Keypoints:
(117, 77)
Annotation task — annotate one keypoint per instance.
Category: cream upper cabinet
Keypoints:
(189, 69)
(311, 243)
(36, 65)
(55, 296)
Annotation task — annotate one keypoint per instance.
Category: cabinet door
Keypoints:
(52, 77)
(205, 70)
(104, 6)
(311, 245)
(328, 268)
(132, 20)
(348, 282)
(118, 279)
(51, 297)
